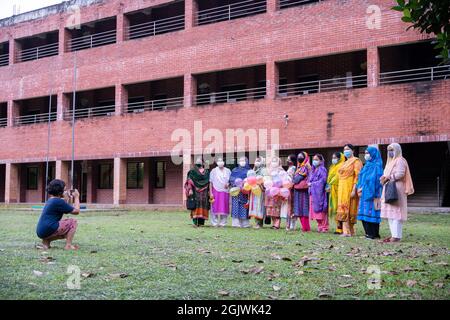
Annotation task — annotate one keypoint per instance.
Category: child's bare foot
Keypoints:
(46, 244)
(71, 247)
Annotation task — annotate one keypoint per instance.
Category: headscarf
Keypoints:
(239, 172)
(276, 169)
(369, 176)
(261, 170)
(303, 168)
(332, 171)
(390, 164)
(200, 180)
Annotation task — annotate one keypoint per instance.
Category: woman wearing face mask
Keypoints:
(292, 166)
(239, 212)
(301, 193)
(220, 209)
(369, 190)
(347, 195)
(256, 203)
(273, 203)
(197, 184)
(318, 209)
(332, 188)
(396, 170)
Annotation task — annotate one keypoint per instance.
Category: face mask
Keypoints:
(334, 161)
(391, 153)
(300, 159)
(220, 164)
(274, 164)
(367, 157)
(198, 165)
(257, 164)
(316, 163)
(348, 153)
(242, 163)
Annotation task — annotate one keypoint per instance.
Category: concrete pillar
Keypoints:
(64, 37)
(12, 112)
(190, 10)
(12, 50)
(63, 105)
(121, 99)
(62, 169)
(120, 181)
(272, 79)
(12, 183)
(190, 90)
(122, 24)
(272, 5)
(373, 67)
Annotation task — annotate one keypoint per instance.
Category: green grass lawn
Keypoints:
(160, 256)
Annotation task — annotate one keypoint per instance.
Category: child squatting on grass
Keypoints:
(50, 226)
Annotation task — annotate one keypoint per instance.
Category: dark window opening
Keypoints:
(323, 74)
(283, 4)
(37, 47)
(4, 54)
(93, 34)
(213, 11)
(231, 86)
(135, 175)
(155, 95)
(410, 63)
(92, 103)
(36, 110)
(106, 176)
(32, 178)
(3, 114)
(155, 20)
(160, 174)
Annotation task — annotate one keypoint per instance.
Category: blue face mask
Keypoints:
(367, 157)
(391, 154)
(334, 161)
(347, 153)
(316, 163)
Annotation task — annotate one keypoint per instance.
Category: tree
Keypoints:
(429, 16)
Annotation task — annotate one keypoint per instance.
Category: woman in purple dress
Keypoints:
(301, 196)
(318, 209)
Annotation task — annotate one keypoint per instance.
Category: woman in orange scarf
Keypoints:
(348, 199)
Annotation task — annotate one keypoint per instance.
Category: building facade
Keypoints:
(132, 72)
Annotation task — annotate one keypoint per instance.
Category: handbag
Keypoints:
(390, 192)
(302, 185)
(190, 203)
(267, 220)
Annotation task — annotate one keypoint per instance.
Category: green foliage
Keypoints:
(429, 16)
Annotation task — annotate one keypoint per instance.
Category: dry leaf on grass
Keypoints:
(276, 288)
(223, 293)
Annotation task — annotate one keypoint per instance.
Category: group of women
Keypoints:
(348, 191)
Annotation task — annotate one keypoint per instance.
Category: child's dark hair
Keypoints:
(56, 188)
(350, 146)
(337, 155)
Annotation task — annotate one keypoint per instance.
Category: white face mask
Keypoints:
(334, 161)
(220, 164)
(257, 164)
(242, 163)
(367, 157)
(274, 164)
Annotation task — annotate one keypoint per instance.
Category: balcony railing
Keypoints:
(35, 118)
(91, 112)
(317, 86)
(161, 104)
(37, 52)
(3, 122)
(156, 27)
(231, 96)
(4, 60)
(92, 41)
(414, 75)
(231, 11)
(292, 3)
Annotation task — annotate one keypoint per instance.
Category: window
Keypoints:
(32, 178)
(136, 104)
(159, 102)
(160, 177)
(105, 179)
(135, 175)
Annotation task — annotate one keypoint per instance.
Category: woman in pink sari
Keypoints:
(220, 209)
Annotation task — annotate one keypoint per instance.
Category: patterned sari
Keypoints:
(199, 184)
(347, 209)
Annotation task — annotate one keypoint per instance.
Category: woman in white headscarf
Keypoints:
(396, 170)
(220, 209)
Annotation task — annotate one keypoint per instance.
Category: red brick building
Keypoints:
(343, 71)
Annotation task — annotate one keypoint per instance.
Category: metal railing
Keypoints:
(35, 53)
(4, 60)
(283, 4)
(91, 112)
(35, 118)
(156, 27)
(317, 86)
(92, 41)
(231, 96)
(161, 104)
(3, 122)
(231, 11)
(413, 75)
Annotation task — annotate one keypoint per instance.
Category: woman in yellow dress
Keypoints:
(348, 199)
(332, 188)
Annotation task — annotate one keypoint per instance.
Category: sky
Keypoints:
(7, 6)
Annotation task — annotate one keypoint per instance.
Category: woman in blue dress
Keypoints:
(239, 203)
(369, 189)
